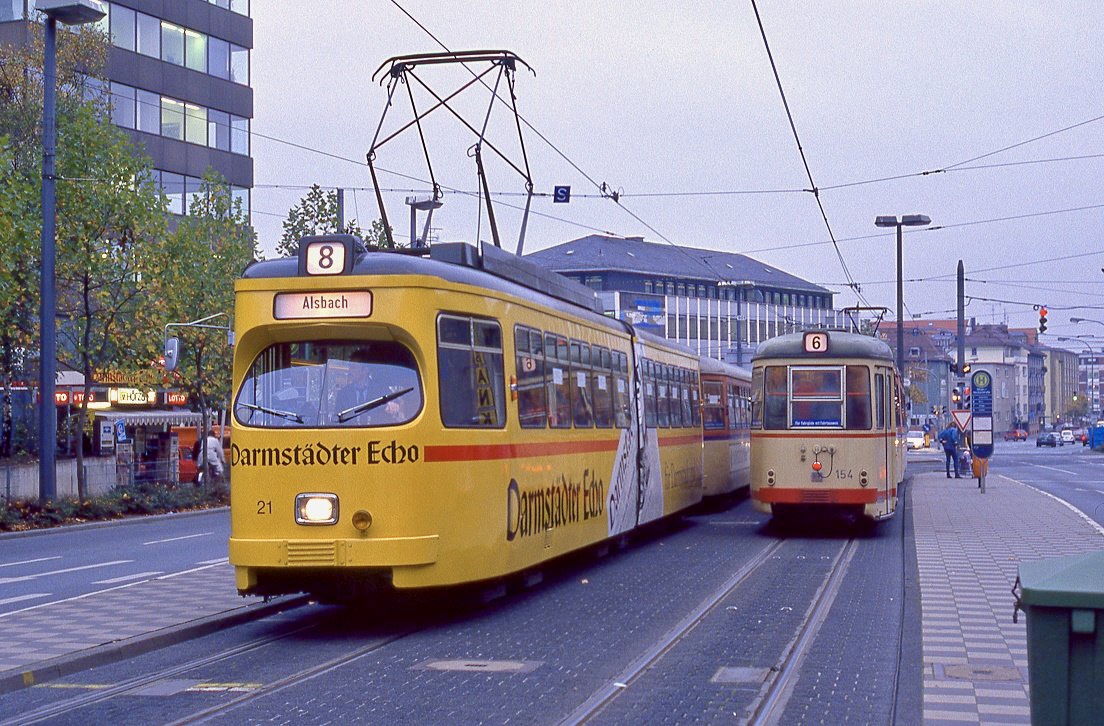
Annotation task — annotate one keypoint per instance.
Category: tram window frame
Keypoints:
(558, 398)
(663, 397)
(484, 338)
(650, 394)
(858, 399)
(695, 399)
(731, 405)
(601, 391)
(622, 400)
(821, 406)
(582, 409)
(689, 399)
(879, 401)
(758, 397)
(714, 410)
(529, 356)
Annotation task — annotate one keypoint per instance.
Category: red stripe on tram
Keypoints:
(815, 433)
(489, 452)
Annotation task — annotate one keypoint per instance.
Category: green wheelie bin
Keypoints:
(1063, 598)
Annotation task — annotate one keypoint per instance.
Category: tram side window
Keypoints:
(663, 399)
(714, 405)
(621, 408)
(858, 397)
(579, 384)
(733, 407)
(684, 398)
(556, 380)
(530, 373)
(470, 359)
(603, 382)
(695, 402)
(879, 401)
(816, 397)
(757, 398)
(650, 393)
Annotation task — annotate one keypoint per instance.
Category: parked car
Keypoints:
(1048, 438)
(1067, 436)
(914, 439)
(1015, 435)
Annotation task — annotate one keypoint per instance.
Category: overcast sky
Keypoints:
(673, 98)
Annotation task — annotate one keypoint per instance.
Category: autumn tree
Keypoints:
(316, 213)
(196, 271)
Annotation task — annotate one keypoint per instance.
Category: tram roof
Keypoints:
(841, 344)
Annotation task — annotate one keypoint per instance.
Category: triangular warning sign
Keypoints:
(961, 419)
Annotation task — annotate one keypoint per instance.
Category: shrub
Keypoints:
(135, 499)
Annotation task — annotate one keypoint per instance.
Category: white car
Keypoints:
(914, 440)
(1067, 436)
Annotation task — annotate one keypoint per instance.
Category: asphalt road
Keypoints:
(76, 561)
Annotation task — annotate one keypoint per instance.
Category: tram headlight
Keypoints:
(316, 508)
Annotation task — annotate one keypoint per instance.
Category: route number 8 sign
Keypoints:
(325, 258)
(816, 342)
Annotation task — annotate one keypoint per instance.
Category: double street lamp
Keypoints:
(1089, 388)
(907, 220)
(68, 12)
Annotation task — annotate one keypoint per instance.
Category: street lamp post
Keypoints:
(69, 12)
(907, 220)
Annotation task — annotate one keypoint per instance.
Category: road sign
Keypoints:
(561, 195)
(961, 419)
(981, 384)
(120, 431)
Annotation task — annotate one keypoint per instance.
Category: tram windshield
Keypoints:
(345, 383)
(799, 397)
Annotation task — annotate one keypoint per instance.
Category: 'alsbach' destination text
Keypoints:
(322, 302)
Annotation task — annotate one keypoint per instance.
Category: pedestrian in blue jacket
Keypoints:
(949, 438)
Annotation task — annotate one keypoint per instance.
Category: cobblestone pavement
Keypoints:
(969, 547)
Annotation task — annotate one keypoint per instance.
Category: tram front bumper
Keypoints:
(379, 552)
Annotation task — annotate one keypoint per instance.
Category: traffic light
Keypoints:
(1042, 319)
(966, 398)
(956, 395)
(965, 368)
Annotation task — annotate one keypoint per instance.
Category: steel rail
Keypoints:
(601, 698)
(779, 688)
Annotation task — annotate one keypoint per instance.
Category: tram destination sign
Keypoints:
(344, 304)
(981, 391)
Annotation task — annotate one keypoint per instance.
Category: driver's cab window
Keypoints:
(342, 383)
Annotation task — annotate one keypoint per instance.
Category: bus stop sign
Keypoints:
(981, 385)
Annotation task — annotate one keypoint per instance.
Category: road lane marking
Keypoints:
(1054, 468)
(219, 561)
(29, 562)
(194, 569)
(21, 598)
(177, 539)
(127, 578)
(25, 578)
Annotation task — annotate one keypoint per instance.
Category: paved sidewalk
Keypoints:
(969, 547)
(54, 640)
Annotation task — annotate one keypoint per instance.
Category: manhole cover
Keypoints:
(982, 673)
(736, 674)
(486, 666)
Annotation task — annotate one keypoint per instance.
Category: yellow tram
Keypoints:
(726, 427)
(828, 425)
(443, 416)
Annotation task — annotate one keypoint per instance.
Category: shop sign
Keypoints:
(176, 398)
(131, 397)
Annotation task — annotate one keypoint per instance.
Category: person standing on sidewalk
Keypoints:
(949, 438)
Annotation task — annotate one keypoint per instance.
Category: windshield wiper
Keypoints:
(360, 408)
(289, 415)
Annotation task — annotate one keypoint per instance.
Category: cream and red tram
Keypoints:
(828, 425)
(423, 420)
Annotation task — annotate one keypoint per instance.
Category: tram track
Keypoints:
(76, 703)
(604, 696)
(773, 696)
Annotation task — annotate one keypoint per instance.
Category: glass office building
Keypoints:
(179, 82)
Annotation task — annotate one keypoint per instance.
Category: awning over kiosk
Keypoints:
(152, 417)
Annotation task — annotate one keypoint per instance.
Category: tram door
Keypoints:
(884, 422)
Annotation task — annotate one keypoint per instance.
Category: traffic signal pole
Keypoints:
(961, 316)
